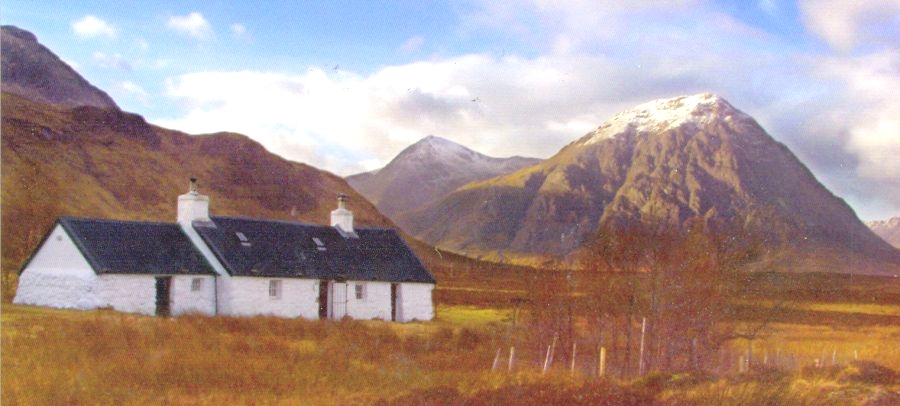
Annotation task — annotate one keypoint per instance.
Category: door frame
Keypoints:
(163, 291)
(396, 314)
(324, 300)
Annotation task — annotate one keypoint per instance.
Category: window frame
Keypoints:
(275, 288)
(359, 290)
(196, 284)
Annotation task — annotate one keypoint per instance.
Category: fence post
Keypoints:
(572, 369)
(496, 361)
(546, 360)
(601, 366)
(552, 352)
(641, 354)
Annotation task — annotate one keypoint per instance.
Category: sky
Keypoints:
(346, 85)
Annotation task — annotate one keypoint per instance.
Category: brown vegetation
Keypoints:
(72, 357)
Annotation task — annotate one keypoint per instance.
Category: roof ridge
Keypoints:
(159, 223)
(292, 222)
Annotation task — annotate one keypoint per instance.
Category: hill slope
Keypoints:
(34, 72)
(428, 170)
(666, 160)
(59, 161)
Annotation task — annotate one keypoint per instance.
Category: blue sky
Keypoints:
(345, 85)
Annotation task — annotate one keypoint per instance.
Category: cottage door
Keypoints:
(395, 302)
(323, 300)
(339, 300)
(163, 296)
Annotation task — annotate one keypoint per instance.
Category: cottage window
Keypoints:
(360, 291)
(275, 289)
(196, 284)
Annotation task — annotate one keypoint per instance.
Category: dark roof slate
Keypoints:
(288, 249)
(135, 247)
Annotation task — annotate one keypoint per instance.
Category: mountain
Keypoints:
(666, 160)
(32, 71)
(888, 230)
(428, 170)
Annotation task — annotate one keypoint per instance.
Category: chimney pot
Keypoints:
(192, 205)
(341, 217)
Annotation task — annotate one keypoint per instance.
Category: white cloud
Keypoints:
(132, 88)
(193, 24)
(500, 106)
(90, 26)
(836, 112)
(872, 122)
(844, 24)
(238, 29)
(412, 44)
(111, 61)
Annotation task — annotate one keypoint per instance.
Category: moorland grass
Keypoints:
(75, 357)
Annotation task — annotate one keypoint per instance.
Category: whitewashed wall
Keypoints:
(376, 303)
(224, 289)
(137, 294)
(251, 297)
(58, 276)
(186, 301)
(129, 293)
(416, 303)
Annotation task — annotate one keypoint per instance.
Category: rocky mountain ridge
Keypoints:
(32, 71)
(428, 170)
(664, 161)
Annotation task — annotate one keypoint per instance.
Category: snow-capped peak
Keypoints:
(438, 148)
(664, 114)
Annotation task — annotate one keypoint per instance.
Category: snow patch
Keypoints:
(666, 114)
(433, 150)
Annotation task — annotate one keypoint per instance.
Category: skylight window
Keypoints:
(319, 245)
(243, 238)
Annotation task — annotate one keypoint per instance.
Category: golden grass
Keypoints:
(472, 316)
(64, 357)
(839, 307)
(74, 357)
(807, 343)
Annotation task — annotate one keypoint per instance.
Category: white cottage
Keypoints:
(230, 266)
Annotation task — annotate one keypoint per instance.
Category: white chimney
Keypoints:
(341, 217)
(192, 205)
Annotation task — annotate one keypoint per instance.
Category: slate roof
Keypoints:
(135, 247)
(249, 247)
